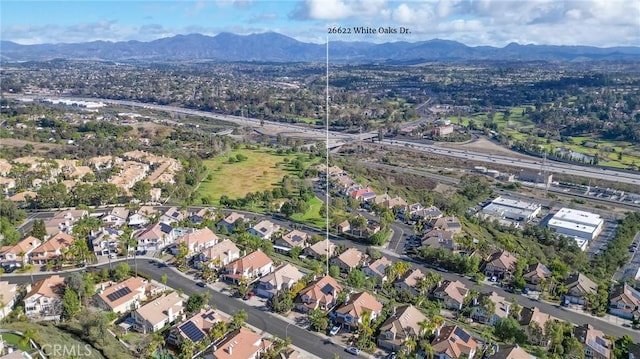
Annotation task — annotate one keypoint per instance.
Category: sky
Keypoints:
(602, 23)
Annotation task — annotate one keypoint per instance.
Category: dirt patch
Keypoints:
(38, 146)
(482, 145)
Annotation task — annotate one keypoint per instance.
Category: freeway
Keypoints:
(264, 321)
(318, 134)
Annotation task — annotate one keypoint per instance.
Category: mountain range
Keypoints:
(274, 47)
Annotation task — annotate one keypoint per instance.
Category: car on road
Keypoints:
(201, 284)
(334, 330)
(353, 350)
(392, 355)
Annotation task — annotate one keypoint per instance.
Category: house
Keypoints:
(142, 217)
(52, 249)
(395, 203)
(624, 301)
(321, 250)
(283, 277)
(264, 229)
(64, 221)
(437, 238)
(451, 224)
(44, 300)
(579, 286)
(344, 226)
(500, 265)
(350, 314)
(343, 182)
(532, 320)
(510, 352)
(124, 296)
(198, 240)
(595, 345)
(199, 216)
(17, 255)
(452, 294)
(535, 274)
(154, 315)
(106, 241)
(242, 343)
(229, 222)
(116, 218)
(377, 269)
(196, 327)
(250, 267)
(155, 237)
(349, 260)
(453, 342)
(501, 308)
(220, 254)
(172, 215)
(295, 238)
(22, 198)
(320, 294)
(403, 324)
(8, 295)
(363, 194)
(7, 184)
(442, 131)
(409, 281)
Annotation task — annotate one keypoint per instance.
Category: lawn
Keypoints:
(312, 215)
(14, 340)
(263, 169)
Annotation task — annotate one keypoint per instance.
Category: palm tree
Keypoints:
(409, 345)
(427, 349)
(426, 327)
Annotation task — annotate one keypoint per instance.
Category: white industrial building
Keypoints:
(512, 209)
(581, 225)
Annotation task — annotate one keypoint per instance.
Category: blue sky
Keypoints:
(473, 22)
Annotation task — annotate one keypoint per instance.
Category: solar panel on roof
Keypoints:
(118, 294)
(462, 334)
(328, 288)
(192, 332)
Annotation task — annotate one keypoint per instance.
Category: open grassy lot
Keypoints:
(312, 216)
(15, 340)
(263, 169)
(50, 334)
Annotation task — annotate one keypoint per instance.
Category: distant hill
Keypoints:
(274, 47)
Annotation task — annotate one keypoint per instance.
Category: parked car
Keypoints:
(249, 296)
(353, 350)
(334, 330)
(392, 355)
(201, 284)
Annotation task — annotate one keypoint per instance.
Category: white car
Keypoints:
(353, 350)
(334, 330)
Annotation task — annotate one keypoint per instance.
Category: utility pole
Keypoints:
(326, 190)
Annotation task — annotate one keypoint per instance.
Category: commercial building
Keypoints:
(512, 209)
(581, 225)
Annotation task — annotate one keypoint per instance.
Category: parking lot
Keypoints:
(630, 270)
(600, 243)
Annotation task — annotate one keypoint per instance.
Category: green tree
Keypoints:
(508, 329)
(334, 271)
(38, 230)
(187, 349)
(282, 302)
(164, 278)
(195, 303)
(122, 272)
(239, 318)
(70, 304)
(141, 191)
(218, 330)
(181, 257)
(356, 278)
(318, 320)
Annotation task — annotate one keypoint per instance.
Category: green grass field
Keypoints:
(263, 169)
(14, 340)
(312, 216)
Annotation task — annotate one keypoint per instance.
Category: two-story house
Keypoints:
(377, 269)
(8, 295)
(320, 294)
(593, 341)
(534, 275)
(532, 320)
(409, 281)
(321, 250)
(116, 218)
(242, 343)
(438, 238)
(403, 324)
(453, 342)
(283, 277)
(512, 351)
(64, 221)
(17, 256)
(155, 237)
(452, 294)
(196, 327)
(230, 221)
(141, 217)
(44, 300)
(126, 295)
(220, 254)
(264, 229)
(154, 315)
(53, 249)
(484, 315)
(106, 241)
(624, 301)
(351, 313)
(197, 241)
(172, 215)
(202, 214)
(295, 238)
(250, 267)
(579, 286)
(451, 224)
(349, 260)
(500, 265)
